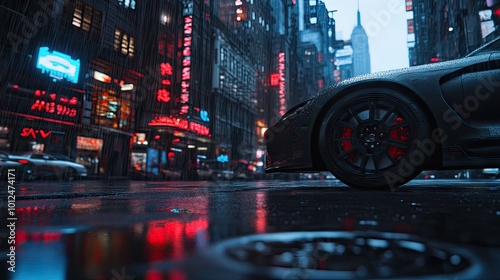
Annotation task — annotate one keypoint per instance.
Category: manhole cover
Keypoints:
(343, 255)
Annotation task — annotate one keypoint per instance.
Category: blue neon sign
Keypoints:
(222, 158)
(204, 116)
(58, 65)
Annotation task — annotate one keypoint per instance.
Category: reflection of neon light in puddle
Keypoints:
(58, 65)
(52, 265)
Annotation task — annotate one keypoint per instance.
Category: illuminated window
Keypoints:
(116, 44)
(124, 43)
(86, 18)
(131, 47)
(77, 14)
(110, 110)
(129, 4)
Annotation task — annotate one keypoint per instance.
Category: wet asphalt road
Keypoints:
(191, 230)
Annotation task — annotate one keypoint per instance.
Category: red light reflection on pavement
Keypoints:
(260, 213)
(173, 274)
(167, 239)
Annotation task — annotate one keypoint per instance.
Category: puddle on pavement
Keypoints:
(342, 255)
(100, 253)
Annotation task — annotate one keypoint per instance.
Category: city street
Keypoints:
(311, 229)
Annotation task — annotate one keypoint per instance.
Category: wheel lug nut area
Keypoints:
(370, 137)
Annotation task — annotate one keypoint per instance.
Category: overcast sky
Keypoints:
(384, 22)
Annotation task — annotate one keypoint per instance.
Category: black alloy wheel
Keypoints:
(69, 174)
(373, 139)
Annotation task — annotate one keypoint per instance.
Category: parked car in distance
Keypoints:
(22, 167)
(61, 157)
(325, 175)
(46, 166)
(491, 172)
(171, 174)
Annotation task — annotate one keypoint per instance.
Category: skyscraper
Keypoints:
(361, 51)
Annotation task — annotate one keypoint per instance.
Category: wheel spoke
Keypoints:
(354, 115)
(371, 113)
(346, 124)
(397, 144)
(375, 162)
(386, 153)
(397, 125)
(345, 154)
(364, 162)
(387, 115)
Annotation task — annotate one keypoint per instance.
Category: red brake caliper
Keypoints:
(347, 145)
(400, 134)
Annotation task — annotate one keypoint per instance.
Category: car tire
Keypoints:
(375, 139)
(69, 174)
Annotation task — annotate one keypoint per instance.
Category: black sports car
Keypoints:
(379, 131)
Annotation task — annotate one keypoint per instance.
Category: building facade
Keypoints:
(151, 89)
(445, 30)
(316, 47)
(65, 72)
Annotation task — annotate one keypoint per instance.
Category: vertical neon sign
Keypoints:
(281, 84)
(186, 57)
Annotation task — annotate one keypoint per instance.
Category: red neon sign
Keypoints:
(180, 123)
(49, 103)
(28, 131)
(165, 69)
(163, 95)
(282, 89)
(275, 79)
(186, 64)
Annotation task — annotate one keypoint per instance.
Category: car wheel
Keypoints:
(375, 139)
(69, 174)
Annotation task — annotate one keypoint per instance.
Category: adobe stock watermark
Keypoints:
(31, 26)
(453, 116)
(121, 275)
(383, 18)
(149, 83)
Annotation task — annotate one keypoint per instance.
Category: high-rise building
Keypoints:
(316, 46)
(343, 63)
(445, 30)
(361, 50)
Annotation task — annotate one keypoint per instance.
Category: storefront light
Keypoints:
(102, 77)
(191, 146)
(127, 87)
(263, 130)
(202, 148)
